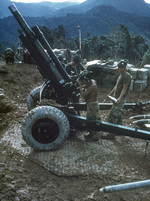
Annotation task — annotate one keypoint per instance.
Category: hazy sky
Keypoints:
(36, 1)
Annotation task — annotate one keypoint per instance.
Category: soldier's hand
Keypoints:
(118, 100)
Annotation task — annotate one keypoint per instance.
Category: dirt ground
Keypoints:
(24, 180)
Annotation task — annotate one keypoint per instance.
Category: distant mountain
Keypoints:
(138, 7)
(98, 21)
(51, 9)
(33, 9)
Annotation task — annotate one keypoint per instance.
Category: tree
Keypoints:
(118, 44)
(48, 34)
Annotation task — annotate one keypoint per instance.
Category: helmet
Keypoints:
(85, 74)
(76, 58)
(60, 57)
(122, 63)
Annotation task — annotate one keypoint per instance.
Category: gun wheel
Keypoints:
(33, 98)
(45, 128)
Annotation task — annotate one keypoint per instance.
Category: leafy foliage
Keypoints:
(146, 58)
(119, 43)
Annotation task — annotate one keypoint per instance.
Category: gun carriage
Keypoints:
(48, 123)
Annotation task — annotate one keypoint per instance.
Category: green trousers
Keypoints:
(92, 110)
(115, 115)
(92, 114)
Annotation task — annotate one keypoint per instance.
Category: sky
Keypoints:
(37, 1)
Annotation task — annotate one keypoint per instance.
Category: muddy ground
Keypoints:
(22, 179)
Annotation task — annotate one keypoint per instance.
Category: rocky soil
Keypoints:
(22, 179)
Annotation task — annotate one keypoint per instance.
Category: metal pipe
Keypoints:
(126, 186)
(142, 121)
(28, 31)
(141, 116)
(119, 130)
(103, 106)
(46, 45)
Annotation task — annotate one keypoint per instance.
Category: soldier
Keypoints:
(120, 93)
(90, 95)
(9, 55)
(75, 67)
(19, 55)
(61, 59)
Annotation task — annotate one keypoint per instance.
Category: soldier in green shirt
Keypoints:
(120, 92)
(74, 68)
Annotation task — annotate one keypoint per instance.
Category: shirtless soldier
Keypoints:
(90, 96)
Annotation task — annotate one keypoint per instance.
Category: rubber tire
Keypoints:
(39, 113)
(33, 98)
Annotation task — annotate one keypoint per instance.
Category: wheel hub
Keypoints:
(45, 131)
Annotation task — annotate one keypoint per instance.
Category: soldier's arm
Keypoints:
(112, 91)
(125, 87)
(86, 93)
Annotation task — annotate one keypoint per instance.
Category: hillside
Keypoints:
(33, 9)
(99, 20)
(57, 9)
(138, 7)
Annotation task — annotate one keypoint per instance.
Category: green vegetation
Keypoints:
(118, 43)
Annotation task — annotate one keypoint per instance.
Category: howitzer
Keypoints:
(48, 124)
(48, 64)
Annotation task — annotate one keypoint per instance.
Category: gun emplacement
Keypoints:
(45, 127)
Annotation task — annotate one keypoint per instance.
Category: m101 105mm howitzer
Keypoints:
(49, 123)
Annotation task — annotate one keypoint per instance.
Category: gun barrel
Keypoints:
(36, 44)
(46, 45)
(28, 31)
(126, 186)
